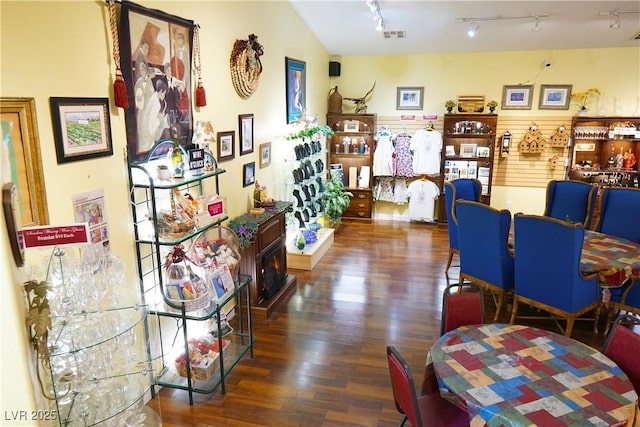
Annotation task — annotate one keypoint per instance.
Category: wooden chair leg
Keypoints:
(597, 319)
(514, 310)
(449, 261)
(499, 306)
(570, 321)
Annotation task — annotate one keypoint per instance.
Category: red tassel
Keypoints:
(120, 91)
(201, 96)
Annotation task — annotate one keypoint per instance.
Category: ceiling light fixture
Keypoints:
(471, 32)
(614, 22)
(376, 15)
(473, 29)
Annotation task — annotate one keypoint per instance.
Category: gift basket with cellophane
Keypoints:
(217, 247)
(184, 282)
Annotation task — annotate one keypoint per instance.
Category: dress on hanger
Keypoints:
(404, 158)
(383, 156)
(426, 146)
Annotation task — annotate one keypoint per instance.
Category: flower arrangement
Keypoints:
(583, 98)
(450, 104)
(492, 104)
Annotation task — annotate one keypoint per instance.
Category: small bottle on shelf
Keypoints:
(177, 159)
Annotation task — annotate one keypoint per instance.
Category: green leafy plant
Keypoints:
(336, 200)
(450, 104)
(310, 132)
(492, 104)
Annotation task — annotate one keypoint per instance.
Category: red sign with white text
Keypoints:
(59, 235)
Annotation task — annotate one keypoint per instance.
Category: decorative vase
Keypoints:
(492, 109)
(300, 243)
(335, 101)
(583, 112)
(449, 110)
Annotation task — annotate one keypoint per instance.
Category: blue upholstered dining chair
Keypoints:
(485, 259)
(463, 188)
(547, 269)
(571, 201)
(620, 213)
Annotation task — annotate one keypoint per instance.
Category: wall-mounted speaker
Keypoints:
(334, 69)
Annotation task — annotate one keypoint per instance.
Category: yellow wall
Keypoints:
(616, 72)
(63, 48)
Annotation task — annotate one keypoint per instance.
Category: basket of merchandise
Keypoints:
(203, 352)
(215, 248)
(172, 227)
(184, 282)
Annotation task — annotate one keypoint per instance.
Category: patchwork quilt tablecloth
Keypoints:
(614, 259)
(514, 375)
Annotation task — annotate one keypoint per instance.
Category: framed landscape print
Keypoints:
(245, 126)
(265, 154)
(409, 98)
(296, 87)
(82, 128)
(554, 97)
(155, 50)
(248, 174)
(517, 97)
(226, 146)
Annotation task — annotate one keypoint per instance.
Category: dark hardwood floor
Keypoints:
(320, 359)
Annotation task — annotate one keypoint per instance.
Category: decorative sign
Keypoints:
(586, 146)
(215, 208)
(408, 117)
(196, 161)
(429, 117)
(45, 236)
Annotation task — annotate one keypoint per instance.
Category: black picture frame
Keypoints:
(81, 128)
(296, 88)
(226, 144)
(245, 133)
(248, 174)
(169, 43)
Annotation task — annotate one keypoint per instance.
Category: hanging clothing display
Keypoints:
(383, 191)
(426, 146)
(383, 156)
(400, 194)
(404, 158)
(422, 194)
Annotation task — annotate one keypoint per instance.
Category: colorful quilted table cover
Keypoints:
(614, 259)
(514, 375)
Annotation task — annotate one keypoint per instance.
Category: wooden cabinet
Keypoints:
(605, 150)
(468, 144)
(352, 146)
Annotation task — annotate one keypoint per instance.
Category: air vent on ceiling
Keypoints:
(394, 34)
(636, 37)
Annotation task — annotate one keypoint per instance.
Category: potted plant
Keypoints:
(336, 200)
(492, 105)
(583, 98)
(449, 105)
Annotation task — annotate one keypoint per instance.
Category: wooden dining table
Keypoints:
(515, 375)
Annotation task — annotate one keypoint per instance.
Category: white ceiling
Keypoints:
(346, 27)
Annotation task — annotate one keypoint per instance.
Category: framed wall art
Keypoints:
(155, 53)
(554, 97)
(248, 174)
(22, 146)
(226, 146)
(81, 127)
(516, 97)
(245, 127)
(409, 98)
(296, 87)
(265, 154)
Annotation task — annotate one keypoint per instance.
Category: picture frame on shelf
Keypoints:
(265, 154)
(450, 151)
(351, 126)
(296, 88)
(554, 97)
(226, 145)
(470, 104)
(245, 129)
(81, 128)
(20, 136)
(409, 98)
(516, 97)
(483, 152)
(248, 174)
(149, 41)
(468, 150)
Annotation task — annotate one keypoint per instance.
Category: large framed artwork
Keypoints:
(20, 151)
(409, 98)
(296, 86)
(156, 63)
(554, 97)
(82, 128)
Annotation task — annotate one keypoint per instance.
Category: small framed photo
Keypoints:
(450, 151)
(352, 126)
(82, 128)
(245, 126)
(516, 97)
(468, 150)
(265, 154)
(554, 97)
(226, 145)
(482, 152)
(409, 98)
(248, 174)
